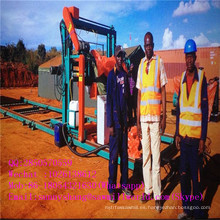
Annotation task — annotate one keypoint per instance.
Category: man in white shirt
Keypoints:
(151, 81)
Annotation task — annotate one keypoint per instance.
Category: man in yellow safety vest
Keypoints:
(191, 130)
(151, 81)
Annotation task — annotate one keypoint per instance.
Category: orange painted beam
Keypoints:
(81, 97)
(70, 26)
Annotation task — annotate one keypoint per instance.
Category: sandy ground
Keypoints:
(31, 196)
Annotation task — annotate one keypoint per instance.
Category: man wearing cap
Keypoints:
(151, 83)
(191, 130)
(117, 89)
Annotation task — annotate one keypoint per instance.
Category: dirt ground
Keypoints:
(30, 195)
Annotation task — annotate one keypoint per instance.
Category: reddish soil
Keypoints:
(16, 75)
(19, 143)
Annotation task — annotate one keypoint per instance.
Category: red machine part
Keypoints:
(81, 97)
(105, 64)
(133, 143)
(67, 13)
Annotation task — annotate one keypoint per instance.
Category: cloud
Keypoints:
(201, 40)
(38, 21)
(125, 45)
(180, 42)
(23, 21)
(141, 5)
(107, 12)
(185, 20)
(169, 43)
(191, 7)
(215, 45)
(167, 39)
(216, 3)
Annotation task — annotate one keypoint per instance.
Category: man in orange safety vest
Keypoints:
(151, 81)
(191, 130)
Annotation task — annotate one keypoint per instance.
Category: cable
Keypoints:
(70, 88)
(102, 147)
(56, 88)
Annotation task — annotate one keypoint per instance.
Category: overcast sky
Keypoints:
(171, 22)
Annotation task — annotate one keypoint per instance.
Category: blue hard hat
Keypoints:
(190, 46)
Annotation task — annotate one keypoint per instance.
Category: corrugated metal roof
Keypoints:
(56, 61)
(207, 57)
(130, 50)
(175, 69)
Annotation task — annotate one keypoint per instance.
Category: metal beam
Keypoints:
(92, 27)
(166, 138)
(41, 105)
(33, 124)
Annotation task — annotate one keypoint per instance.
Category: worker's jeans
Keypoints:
(190, 162)
(151, 145)
(118, 145)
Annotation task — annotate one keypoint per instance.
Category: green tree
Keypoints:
(4, 53)
(41, 51)
(20, 52)
(52, 53)
(53, 50)
(12, 51)
(33, 61)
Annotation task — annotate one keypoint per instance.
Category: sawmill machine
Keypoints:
(76, 61)
(76, 68)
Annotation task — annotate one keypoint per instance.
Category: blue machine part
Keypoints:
(175, 96)
(58, 135)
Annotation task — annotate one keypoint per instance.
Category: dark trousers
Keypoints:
(190, 164)
(132, 103)
(118, 145)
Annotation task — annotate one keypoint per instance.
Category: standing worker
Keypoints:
(191, 129)
(117, 92)
(151, 81)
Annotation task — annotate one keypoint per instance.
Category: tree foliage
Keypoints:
(41, 50)
(33, 61)
(32, 58)
(21, 52)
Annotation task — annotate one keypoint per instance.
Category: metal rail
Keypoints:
(44, 126)
(165, 138)
(33, 124)
(41, 105)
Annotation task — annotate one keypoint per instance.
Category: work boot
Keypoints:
(146, 197)
(158, 206)
(127, 192)
(112, 198)
(183, 215)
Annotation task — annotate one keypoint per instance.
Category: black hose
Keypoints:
(102, 147)
(211, 158)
